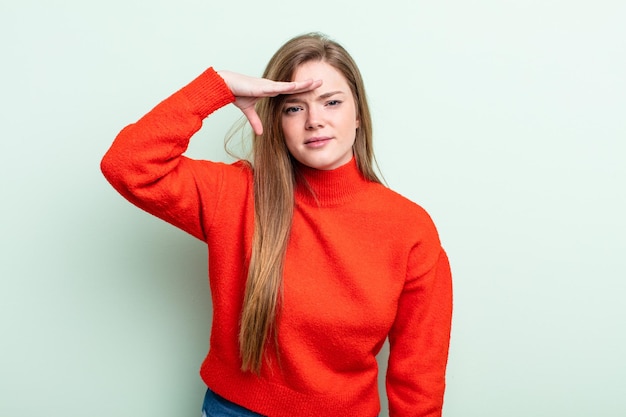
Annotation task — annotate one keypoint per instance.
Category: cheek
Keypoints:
(288, 133)
(286, 124)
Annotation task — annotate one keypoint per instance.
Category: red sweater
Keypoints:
(363, 263)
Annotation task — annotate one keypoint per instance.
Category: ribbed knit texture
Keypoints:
(362, 263)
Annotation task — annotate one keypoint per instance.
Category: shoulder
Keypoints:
(221, 176)
(239, 169)
(402, 211)
(410, 224)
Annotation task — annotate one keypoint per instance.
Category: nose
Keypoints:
(314, 119)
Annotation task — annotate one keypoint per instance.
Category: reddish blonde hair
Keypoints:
(274, 181)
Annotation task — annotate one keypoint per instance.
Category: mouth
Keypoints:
(317, 140)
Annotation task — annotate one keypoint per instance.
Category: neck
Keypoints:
(331, 187)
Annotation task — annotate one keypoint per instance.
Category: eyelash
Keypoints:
(294, 109)
(290, 110)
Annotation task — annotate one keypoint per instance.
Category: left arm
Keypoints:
(420, 336)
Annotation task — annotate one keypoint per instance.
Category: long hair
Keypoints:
(274, 183)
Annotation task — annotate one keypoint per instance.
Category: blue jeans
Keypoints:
(216, 406)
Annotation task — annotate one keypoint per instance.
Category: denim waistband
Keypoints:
(216, 406)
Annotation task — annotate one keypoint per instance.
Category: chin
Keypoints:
(324, 162)
(321, 165)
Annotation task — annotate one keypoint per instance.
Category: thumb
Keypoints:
(253, 119)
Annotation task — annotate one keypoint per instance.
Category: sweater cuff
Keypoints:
(207, 93)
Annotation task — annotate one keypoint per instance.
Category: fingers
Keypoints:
(246, 86)
(291, 87)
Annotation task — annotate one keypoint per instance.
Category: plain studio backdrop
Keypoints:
(505, 120)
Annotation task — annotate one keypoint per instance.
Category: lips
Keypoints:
(318, 139)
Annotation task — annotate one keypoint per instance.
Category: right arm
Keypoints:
(145, 162)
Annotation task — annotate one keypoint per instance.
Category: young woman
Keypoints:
(313, 263)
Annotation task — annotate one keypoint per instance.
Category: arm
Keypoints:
(145, 162)
(419, 338)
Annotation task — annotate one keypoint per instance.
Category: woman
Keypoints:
(312, 262)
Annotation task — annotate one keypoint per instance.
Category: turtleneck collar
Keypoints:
(328, 188)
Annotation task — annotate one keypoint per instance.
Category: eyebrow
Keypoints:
(321, 97)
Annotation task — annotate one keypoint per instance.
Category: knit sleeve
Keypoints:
(420, 336)
(146, 165)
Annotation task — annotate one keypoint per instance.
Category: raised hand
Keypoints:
(248, 90)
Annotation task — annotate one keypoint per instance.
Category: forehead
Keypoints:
(320, 70)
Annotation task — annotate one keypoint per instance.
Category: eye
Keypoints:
(293, 109)
(333, 103)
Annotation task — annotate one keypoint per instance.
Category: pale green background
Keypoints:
(504, 119)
